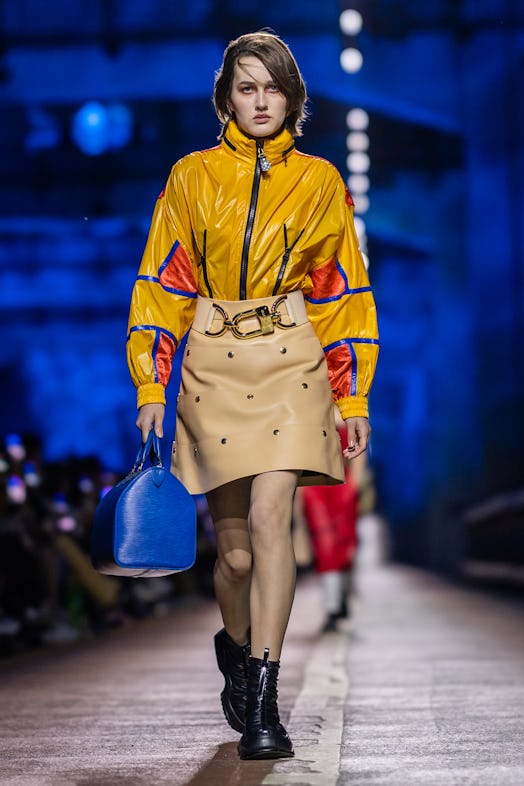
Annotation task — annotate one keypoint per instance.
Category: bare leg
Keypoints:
(274, 568)
(229, 506)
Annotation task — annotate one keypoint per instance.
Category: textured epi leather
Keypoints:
(145, 526)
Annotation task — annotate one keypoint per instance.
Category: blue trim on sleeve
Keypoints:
(333, 298)
(353, 386)
(173, 291)
(158, 333)
(347, 290)
(167, 260)
(182, 292)
(156, 329)
(154, 353)
(349, 343)
(342, 273)
(148, 278)
(365, 340)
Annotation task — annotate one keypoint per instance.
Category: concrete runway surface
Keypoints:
(423, 687)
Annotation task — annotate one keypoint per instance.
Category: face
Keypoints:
(260, 107)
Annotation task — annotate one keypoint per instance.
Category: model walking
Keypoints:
(252, 248)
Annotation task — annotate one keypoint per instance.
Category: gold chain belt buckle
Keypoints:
(277, 316)
(267, 320)
(225, 323)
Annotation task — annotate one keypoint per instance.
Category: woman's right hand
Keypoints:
(151, 416)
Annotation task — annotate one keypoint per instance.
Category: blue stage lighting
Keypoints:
(90, 128)
(120, 125)
(97, 128)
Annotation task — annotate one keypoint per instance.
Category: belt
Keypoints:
(215, 317)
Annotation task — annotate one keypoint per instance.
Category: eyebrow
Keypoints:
(255, 82)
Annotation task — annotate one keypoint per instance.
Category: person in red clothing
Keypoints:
(330, 515)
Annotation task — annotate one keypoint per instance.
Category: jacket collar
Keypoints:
(276, 148)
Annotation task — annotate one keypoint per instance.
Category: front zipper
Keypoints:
(251, 218)
(285, 258)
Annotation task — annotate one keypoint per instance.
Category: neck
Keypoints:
(250, 136)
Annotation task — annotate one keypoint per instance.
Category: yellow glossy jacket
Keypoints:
(223, 228)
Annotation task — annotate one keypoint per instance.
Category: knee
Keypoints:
(237, 563)
(269, 521)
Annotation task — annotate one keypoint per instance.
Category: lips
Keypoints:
(261, 117)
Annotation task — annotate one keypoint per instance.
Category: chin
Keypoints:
(263, 131)
(259, 132)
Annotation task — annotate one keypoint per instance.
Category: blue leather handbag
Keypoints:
(146, 524)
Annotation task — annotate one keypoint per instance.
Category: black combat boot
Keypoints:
(232, 661)
(264, 736)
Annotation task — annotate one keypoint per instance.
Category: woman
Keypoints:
(252, 247)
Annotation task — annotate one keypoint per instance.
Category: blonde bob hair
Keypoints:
(277, 58)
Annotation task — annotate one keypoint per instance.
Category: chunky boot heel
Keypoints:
(232, 659)
(264, 736)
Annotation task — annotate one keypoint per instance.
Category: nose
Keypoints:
(261, 100)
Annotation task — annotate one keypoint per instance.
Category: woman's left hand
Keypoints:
(358, 431)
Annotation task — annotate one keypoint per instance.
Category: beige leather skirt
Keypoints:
(254, 396)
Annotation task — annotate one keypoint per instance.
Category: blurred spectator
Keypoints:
(49, 591)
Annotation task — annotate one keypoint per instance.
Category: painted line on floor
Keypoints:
(316, 722)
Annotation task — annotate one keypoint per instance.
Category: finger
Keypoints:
(145, 433)
(356, 451)
(364, 439)
(363, 431)
(350, 450)
(352, 435)
(144, 424)
(158, 423)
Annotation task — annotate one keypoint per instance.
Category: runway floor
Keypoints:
(424, 687)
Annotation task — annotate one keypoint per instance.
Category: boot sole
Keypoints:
(266, 753)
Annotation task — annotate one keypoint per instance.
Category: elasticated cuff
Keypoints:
(151, 393)
(353, 407)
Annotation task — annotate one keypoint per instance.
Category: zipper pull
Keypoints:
(265, 166)
(263, 674)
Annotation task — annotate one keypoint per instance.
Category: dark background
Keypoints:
(442, 82)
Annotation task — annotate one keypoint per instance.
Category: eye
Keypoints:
(273, 88)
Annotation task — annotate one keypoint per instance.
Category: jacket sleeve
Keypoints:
(164, 296)
(340, 304)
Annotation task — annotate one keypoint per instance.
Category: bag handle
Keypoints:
(151, 449)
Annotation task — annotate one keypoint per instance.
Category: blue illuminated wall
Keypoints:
(448, 272)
